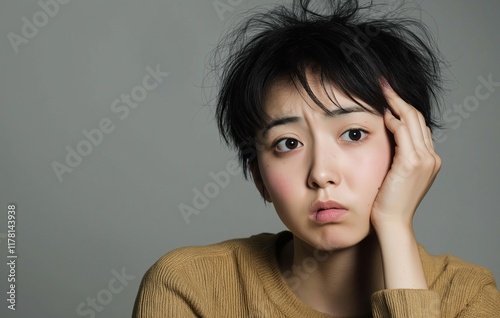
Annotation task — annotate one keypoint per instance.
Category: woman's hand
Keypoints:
(414, 167)
(413, 170)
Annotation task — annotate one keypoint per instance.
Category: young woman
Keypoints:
(331, 113)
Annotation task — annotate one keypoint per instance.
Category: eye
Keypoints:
(287, 144)
(354, 135)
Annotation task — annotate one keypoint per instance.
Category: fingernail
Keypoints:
(385, 84)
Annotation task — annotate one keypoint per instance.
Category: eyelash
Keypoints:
(364, 135)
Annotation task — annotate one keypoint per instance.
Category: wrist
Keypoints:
(393, 228)
(400, 256)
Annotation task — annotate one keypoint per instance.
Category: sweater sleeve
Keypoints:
(396, 303)
(164, 293)
(427, 303)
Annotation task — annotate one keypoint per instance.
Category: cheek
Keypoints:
(279, 181)
(372, 167)
(382, 154)
(278, 184)
(378, 167)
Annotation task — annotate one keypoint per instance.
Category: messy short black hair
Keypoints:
(342, 41)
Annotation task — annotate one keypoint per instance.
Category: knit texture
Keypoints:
(241, 278)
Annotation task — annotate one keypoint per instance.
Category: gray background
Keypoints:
(119, 208)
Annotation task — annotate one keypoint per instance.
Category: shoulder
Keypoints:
(235, 247)
(447, 267)
(199, 261)
(459, 283)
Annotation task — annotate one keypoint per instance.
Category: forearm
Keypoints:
(401, 260)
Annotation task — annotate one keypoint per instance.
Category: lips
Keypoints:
(327, 212)
(326, 205)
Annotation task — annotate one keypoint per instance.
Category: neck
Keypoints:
(338, 282)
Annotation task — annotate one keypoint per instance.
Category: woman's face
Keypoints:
(306, 158)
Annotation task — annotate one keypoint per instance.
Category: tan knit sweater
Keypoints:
(241, 278)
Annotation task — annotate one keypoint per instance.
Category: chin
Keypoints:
(329, 238)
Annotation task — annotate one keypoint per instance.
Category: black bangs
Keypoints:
(340, 44)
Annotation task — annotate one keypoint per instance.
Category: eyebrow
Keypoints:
(295, 119)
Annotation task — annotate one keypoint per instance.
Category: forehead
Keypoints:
(285, 96)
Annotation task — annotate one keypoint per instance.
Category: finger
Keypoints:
(409, 115)
(429, 143)
(426, 133)
(402, 135)
(397, 104)
(436, 160)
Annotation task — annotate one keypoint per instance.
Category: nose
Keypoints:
(324, 168)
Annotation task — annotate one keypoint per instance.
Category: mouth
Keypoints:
(327, 211)
(326, 205)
